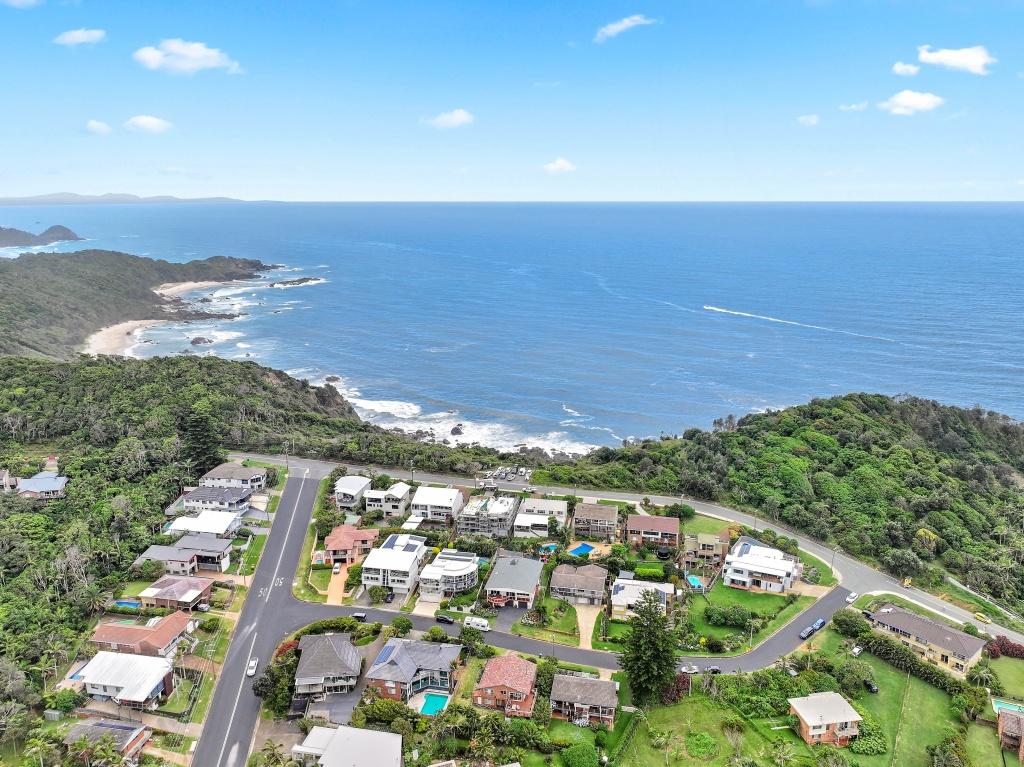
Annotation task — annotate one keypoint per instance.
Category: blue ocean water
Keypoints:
(567, 326)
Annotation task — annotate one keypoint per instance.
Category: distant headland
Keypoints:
(17, 238)
(70, 198)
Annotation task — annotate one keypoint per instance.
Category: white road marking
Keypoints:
(234, 708)
(295, 507)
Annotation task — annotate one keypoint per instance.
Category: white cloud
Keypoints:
(808, 121)
(559, 165)
(608, 31)
(911, 102)
(974, 60)
(858, 106)
(148, 124)
(98, 127)
(905, 70)
(20, 3)
(80, 37)
(182, 57)
(456, 118)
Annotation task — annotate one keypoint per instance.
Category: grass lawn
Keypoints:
(625, 694)
(968, 601)
(239, 600)
(563, 629)
(169, 741)
(178, 701)
(565, 734)
(759, 602)
(1011, 673)
(615, 629)
(300, 589)
(282, 472)
(321, 579)
(251, 556)
(704, 524)
(470, 675)
(827, 576)
(983, 747)
(203, 701)
(134, 588)
(214, 646)
(273, 503)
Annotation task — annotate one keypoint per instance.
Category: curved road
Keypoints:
(271, 612)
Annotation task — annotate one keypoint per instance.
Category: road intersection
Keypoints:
(271, 612)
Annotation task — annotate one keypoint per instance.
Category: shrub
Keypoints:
(210, 625)
(579, 755)
(65, 700)
(676, 690)
(1001, 645)
(870, 738)
(850, 623)
(700, 745)
(401, 625)
(377, 594)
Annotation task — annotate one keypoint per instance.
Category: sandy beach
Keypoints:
(116, 339)
(174, 289)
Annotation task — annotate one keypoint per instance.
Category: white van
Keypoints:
(476, 622)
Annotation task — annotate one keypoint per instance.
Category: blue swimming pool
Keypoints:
(694, 581)
(128, 603)
(549, 547)
(581, 549)
(998, 703)
(433, 703)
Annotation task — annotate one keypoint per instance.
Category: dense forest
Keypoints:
(51, 302)
(922, 488)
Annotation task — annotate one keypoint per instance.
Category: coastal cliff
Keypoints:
(51, 302)
(17, 238)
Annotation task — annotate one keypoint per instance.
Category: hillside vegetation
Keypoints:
(51, 302)
(922, 488)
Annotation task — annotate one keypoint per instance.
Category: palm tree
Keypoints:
(272, 755)
(783, 752)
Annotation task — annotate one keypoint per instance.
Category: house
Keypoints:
(404, 667)
(546, 507)
(487, 515)
(626, 593)
(134, 681)
(530, 525)
(584, 701)
(514, 580)
(233, 474)
(189, 554)
(328, 663)
(825, 717)
(752, 565)
(393, 502)
(1010, 725)
(452, 572)
(219, 524)
(436, 504)
(649, 530)
(349, 747)
(233, 499)
(128, 737)
(948, 648)
(704, 550)
(595, 520)
(160, 637)
(177, 592)
(44, 486)
(507, 685)
(396, 564)
(579, 585)
(346, 544)
(348, 491)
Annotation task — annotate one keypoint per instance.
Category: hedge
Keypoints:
(905, 659)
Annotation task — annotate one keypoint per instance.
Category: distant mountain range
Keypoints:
(70, 198)
(16, 238)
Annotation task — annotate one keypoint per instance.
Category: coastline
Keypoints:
(176, 289)
(116, 340)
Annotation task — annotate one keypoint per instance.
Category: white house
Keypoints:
(349, 747)
(233, 499)
(348, 491)
(221, 524)
(487, 515)
(752, 565)
(396, 563)
(546, 506)
(436, 504)
(626, 592)
(451, 573)
(136, 681)
(393, 502)
(232, 474)
(530, 525)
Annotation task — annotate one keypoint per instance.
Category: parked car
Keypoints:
(361, 617)
(806, 633)
(203, 608)
(530, 489)
(250, 670)
(691, 669)
(819, 624)
(712, 670)
(856, 651)
(442, 618)
(476, 622)
(867, 614)
(852, 597)
(390, 597)
(871, 686)
(337, 569)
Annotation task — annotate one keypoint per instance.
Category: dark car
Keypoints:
(390, 597)
(442, 618)
(872, 687)
(806, 632)
(663, 552)
(712, 670)
(361, 617)
(866, 614)
(818, 624)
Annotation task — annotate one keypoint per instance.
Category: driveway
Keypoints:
(506, 617)
(586, 616)
(336, 586)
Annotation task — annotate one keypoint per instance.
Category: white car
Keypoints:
(689, 669)
(852, 598)
(250, 670)
(337, 568)
(856, 651)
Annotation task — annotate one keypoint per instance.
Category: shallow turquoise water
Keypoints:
(433, 703)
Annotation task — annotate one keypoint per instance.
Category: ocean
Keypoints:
(572, 326)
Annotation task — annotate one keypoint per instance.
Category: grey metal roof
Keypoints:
(123, 733)
(584, 690)
(934, 633)
(587, 577)
(43, 482)
(166, 554)
(219, 494)
(326, 655)
(204, 544)
(513, 572)
(400, 660)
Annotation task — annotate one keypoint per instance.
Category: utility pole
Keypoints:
(412, 471)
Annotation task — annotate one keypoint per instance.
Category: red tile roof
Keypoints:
(509, 671)
(344, 537)
(652, 523)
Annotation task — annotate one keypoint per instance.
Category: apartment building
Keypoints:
(490, 516)
(396, 564)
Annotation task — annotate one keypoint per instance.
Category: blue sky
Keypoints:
(524, 100)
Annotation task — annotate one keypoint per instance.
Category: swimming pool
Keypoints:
(128, 603)
(581, 549)
(549, 547)
(694, 581)
(998, 703)
(433, 703)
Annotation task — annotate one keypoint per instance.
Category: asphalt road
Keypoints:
(271, 612)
